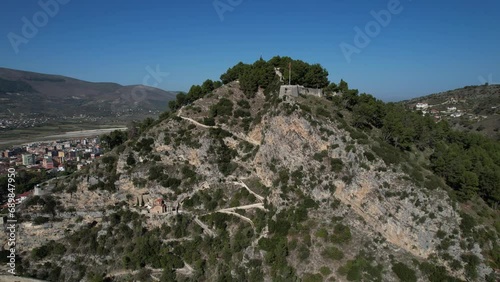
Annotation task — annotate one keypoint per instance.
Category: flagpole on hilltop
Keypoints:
(290, 73)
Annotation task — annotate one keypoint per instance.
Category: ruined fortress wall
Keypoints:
(289, 90)
(295, 90)
(311, 91)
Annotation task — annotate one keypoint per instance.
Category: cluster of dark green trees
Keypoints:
(25, 181)
(262, 74)
(117, 138)
(468, 162)
(113, 139)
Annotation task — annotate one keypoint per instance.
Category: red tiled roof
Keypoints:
(24, 194)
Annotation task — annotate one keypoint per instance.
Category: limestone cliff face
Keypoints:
(285, 155)
(291, 141)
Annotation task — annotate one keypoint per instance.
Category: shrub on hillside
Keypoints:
(336, 164)
(403, 272)
(342, 234)
(332, 253)
(369, 156)
(320, 155)
(144, 145)
(40, 220)
(130, 159)
(223, 108)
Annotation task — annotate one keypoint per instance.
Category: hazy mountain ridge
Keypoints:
(33, 94)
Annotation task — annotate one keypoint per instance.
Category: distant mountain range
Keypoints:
(472, 108)
(29, 94)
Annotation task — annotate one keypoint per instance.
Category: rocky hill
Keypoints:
(472, 108)
(233, 186)
(27, 95)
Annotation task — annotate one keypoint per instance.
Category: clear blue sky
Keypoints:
(426, 47)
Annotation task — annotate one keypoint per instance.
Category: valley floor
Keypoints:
(18, 137)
